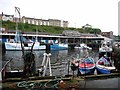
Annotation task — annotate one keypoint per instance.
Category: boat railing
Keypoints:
(4, 69)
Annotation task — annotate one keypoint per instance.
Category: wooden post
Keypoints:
(68, 66)
(0, 76)
(49, 64)
(0, 80)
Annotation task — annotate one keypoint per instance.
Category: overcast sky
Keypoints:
(101, 14)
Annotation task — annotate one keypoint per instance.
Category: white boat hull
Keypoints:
(103, 66)
(83, 46)
(104, 69)
(17, 46)
(37, 46)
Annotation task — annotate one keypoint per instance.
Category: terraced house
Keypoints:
(49, 22)
(35, 21)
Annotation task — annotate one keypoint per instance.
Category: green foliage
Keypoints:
(90, 30)
(96, 30)
(71, 28)
(25, 27)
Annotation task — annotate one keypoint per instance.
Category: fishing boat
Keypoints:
(85, 65)
(27, 46)
(15, 44)
(104, 66)
(37, 46)
(82, 46)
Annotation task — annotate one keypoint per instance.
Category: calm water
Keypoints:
(56, 57)
(60, 58)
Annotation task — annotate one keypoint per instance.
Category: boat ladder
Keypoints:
(46, 63)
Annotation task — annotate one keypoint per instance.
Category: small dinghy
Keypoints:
(104, 66)
(86, 66)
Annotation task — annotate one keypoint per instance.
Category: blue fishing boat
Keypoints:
(84, 65)
(104, 66)
(59, 46)
(87, 66)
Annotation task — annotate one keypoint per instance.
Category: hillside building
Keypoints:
(35, 21)
(49, 22)
(6, 17)
(107, 34)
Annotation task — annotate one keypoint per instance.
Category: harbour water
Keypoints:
(59, 59)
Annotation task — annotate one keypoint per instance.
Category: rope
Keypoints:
(53, 83)
(50, 84)
(25, 84)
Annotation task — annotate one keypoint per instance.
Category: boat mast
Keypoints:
(17, 10)
(36, 39)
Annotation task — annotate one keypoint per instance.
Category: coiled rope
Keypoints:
(49, 84)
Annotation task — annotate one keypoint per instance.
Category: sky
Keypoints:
(102, 14)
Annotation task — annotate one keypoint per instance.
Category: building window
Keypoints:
(33, 22)
(28, 21)
(36, 22)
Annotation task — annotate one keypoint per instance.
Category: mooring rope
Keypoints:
(26, 84)
(49, 84)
